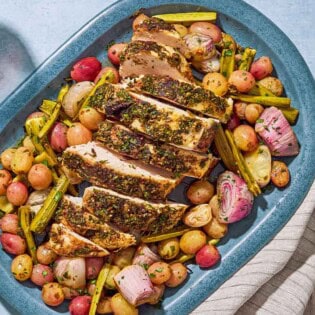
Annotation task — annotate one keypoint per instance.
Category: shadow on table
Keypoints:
(15, 61)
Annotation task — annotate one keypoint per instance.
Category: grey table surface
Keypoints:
(38, 27)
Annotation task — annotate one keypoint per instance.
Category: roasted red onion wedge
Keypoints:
(235, 200)
(134, 284)
(276, 132)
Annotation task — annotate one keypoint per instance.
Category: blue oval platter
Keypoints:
(272, 209)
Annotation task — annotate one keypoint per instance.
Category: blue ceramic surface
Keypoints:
(271, 211)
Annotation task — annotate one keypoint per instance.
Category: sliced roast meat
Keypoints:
(156, 30)
(64, 242)
(155, 119)
(100, 166)
(149, 57)
(132, 214)
(183, 94)
(72, 214)
(124, 141)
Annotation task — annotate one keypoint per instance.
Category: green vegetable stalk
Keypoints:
(227, 62)
(281, 102)
(182, 258)
(24, 219)
(164, 236)
(247, 59)
(5, 205)
(46, 212)
(51, 120)
(258, 89)
(48, 106)
(188, 17)
(63, 91)
(291, 114)
(101, 279)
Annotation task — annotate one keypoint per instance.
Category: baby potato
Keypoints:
(40, 176)
(178, 276)
(169, 249)
(27, 143)
(114, 53)
(9, 223)
(159, 272)
(242, 80)
(21, 267)
(252, 112)
(245, 138)
(208, 29)
(239, 109)
(261, 67)
(104, 306)
(22, 160)
(259, 163)
(110, 283)
(192, 241)
(5, 180)
(215, 229)
(45, 255)
(7, 157)
(78, 134)
(13, 244)
(106, 70)
(158, 293)
(58, 137)
(216, 83)
(52, 294)
(17, 193)
(200, 192)
(90, 118)
(42, 274)
(280, 174)
(198, 216)
(121, 307)
(123, 258)
(215, 206)
(181, 29)
(86, 69)
(273, 84)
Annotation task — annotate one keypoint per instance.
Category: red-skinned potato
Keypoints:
(208, 29)
(80, 305)
(58, 137)
(5, 180)
(261, 68)
(239, 109)
(233, 122)
(13, 244)
(114, 53)
(78, 134)
(52, 294)
(10, 223)
(242, 80)
(93, 266)
(86, 69)
(39, 176)
(107, 69)
(207, 256)
(17, 193)
(42, 274)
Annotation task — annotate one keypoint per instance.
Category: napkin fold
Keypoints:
(280, 279)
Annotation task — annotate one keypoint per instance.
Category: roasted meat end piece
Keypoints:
(100, 166)
(149, 57)
(72, 214)
(156, 30)
(64, 242)
(132, 214)
(157, 120)
(179, 162)
(183, 94)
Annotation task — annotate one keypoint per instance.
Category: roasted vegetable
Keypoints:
(276, 132)
(134, 284)
(274, 85)
(261, 67)
(291, 114)
(280, 175)
(259, 164)
(188, 17)
(198, 216)
(144, 256)
(281, 102)
(201, 46)
(241, 80)
(24, 218)
(49, 123)
(46, 212)
(227, 62)
(247, 59)
(236, 201)
(164, 236)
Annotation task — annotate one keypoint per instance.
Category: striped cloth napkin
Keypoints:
(280, 279)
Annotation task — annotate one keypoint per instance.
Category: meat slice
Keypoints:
(124, 141)
(72, 214)
(156, 30)
(64, 242)
(183, 94)
(132, 214)
(99, 166)
(155, 119)
(149, 57)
